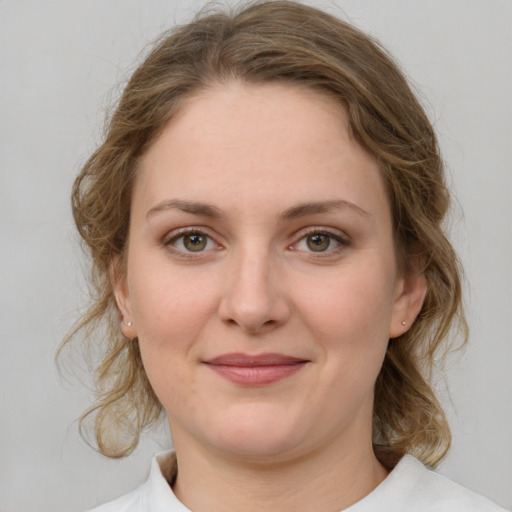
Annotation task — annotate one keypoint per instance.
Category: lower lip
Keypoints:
(257, 375)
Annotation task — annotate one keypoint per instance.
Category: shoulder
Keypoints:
(427, 490)
(131, 502)
(411, 487)
(154, 494)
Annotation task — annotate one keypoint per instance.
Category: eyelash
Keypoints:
(342, 241)
(170, 241)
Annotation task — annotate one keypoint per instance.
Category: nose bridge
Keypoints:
(252, 278)
(253, 298)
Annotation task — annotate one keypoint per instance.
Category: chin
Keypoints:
(259, 438)
(259, 450)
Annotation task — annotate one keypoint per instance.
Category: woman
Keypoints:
(264, 218)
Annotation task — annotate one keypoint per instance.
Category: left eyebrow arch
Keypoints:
(193, 207)
(311, 208)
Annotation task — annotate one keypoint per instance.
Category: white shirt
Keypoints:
(410, 487)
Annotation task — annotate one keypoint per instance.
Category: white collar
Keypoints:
(410, 487)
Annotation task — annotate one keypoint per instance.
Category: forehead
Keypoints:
(246, 144)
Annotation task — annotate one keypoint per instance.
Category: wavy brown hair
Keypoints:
(277, 41)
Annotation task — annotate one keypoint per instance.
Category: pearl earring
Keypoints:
(404, 323)
(128, 324)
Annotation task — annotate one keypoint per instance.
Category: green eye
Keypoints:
(195, 242)
(190, 243)
(318, 242)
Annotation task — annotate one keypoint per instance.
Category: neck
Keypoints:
(316, 481)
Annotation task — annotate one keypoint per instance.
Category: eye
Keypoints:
(320, 242)
(191, 242)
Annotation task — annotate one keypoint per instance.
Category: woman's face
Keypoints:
(261, 275)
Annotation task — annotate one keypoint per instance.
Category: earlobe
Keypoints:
(117, 275)
(410, 295)
(128, 329)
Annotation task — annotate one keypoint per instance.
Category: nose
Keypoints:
(255, 296)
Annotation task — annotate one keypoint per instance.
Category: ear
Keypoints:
(118, 279)
(410, 292)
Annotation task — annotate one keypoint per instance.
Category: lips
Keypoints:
(255, 370)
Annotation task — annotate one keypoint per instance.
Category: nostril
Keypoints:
(252, 327)
(252, 301)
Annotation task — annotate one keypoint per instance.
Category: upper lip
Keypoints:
(240, 359)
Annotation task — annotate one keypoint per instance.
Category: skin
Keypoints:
(254, 154)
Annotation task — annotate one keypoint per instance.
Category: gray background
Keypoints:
(60, 61)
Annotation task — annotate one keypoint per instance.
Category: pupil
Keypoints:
(318, 243)
(195, 242)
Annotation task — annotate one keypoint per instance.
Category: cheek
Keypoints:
(349, 317)
(166, 299)
(171, 313)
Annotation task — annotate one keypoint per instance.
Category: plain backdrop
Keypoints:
(61, 65)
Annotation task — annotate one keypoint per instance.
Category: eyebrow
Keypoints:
(312, 208)
(294, 212)
(193, 207)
